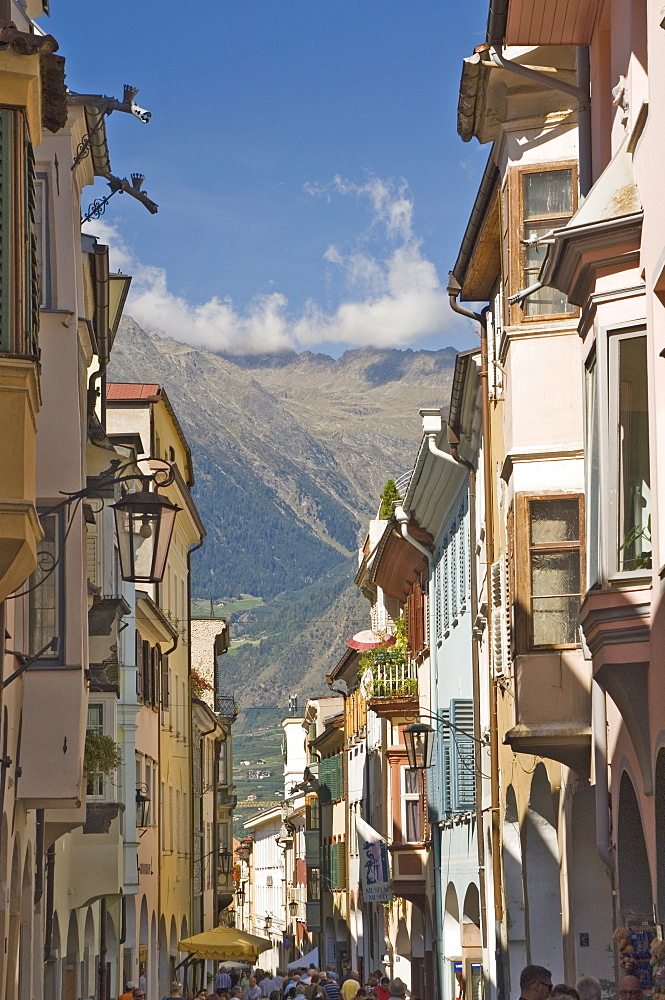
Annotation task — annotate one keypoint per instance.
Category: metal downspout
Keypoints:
(403, 520)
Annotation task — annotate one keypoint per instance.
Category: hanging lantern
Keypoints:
(419, 743)
(144, 526)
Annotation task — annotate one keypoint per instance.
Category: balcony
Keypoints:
(391, 685)
(553, 708)
(409, 863)
(225, 706)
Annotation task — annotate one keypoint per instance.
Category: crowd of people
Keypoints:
(318, 984)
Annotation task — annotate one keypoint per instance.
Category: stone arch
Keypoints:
(402, 953)
(635, 895)
(53, 964)
(452, 937)
(145, 956)
(14, 921)
(173, 948)
(72, 977)
(4, 875)
(25, 950)
(89, 985)
(153, 978)
(543, 886)
(111, 957)
(163, 953)
(513, 883)
(471, 918)
(129, 950)
(659, 804)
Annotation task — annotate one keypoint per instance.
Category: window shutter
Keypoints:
(454, 548)
(6, 130)
(324, 779)
(164, 680)
(500, 617)
(438, 634)
(91, 553)
(145, 665)
(139, 667)
(464, 583)
(445, 588)
(154, 676)
(464, 755)
(31, 294)
(446, 758)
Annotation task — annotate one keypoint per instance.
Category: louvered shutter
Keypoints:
(464, 755)
(438, 634)
(463, 557)
(91, 554)
(31, 294)
(500, 618)
(139, 668)
(154, 676)
(334, 867)
(164, 680)
(445, 588)
(6, 164)
(145, 667)
(324, 780)
(341, 864)
(446, 769)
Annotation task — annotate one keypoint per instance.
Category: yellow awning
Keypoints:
(225, 944)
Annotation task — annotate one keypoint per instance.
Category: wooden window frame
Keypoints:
(522, 548)
(513, 253)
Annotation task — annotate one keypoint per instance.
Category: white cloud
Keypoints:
(393, 295)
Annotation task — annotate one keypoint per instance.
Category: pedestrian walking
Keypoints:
(222, 980)
(398, 989)
(535, 983)
(588, 988)
(562, 992)
(129, 992)
(630, 989)
(331, 989)
(253, 991)
(351, 985)
(176, 991)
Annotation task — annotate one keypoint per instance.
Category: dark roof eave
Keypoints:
(478, 212)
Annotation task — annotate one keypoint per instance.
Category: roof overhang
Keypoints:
(550, 22)
(570, 745)
(400, 563)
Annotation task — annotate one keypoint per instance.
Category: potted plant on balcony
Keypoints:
(390, 667)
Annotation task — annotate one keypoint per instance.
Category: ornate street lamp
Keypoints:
(419, 743)
(225, 859)
(144, 525)
(142, 805)
(293, 908)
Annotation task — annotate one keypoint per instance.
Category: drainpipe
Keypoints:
(403, 521)
(454, 290)
(579, 91)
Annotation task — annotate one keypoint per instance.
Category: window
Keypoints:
(412, 813)
(41, 235)
(95, 724)
(19, 279)
(312, 812)
(631, 482)
(46, 589)
(550, 577)
(541, 200)
(313, 885)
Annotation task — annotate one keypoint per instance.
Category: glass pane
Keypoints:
(548, 192)
(44, 596)
(546, 301)
(554, 521)
(412, 820)
(634, 481)
(592, 499)
(555, 573)
(555, 620)
(95, 719)
(411, 781)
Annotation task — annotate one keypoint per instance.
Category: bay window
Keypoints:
(549, 570)
(46, 589)
(618, 481)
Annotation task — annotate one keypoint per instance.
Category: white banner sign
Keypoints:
(374, 868)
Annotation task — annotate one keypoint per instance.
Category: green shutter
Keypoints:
(31, 290)
(6, 122)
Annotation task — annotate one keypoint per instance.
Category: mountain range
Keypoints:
(291, 452)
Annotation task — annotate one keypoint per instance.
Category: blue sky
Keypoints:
(312, 189)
